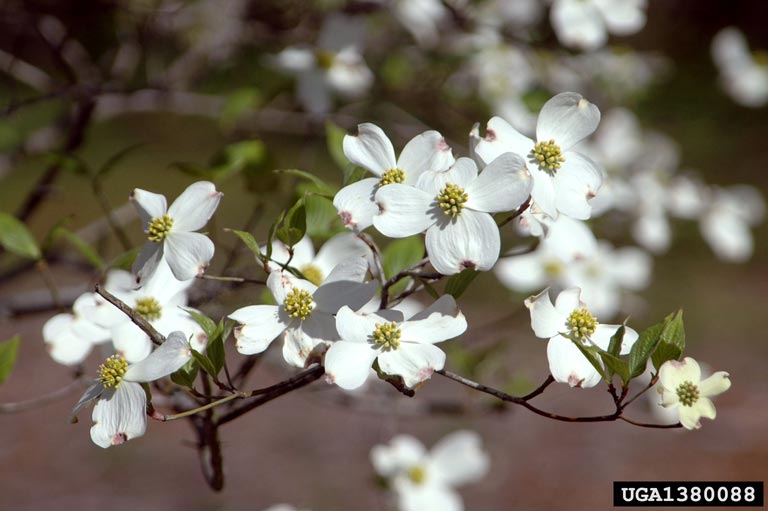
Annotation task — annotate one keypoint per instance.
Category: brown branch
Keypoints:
(155, 336)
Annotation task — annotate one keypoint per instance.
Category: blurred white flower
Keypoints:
(455, 209)
(563, 180)
(170, 231)
(743, 75)
(402, 348)
(585, 24)
(334, 65)
(425, 481)
(304, 312)
(69, 338)
(681, 387)
(120, 413)
(371, 149)
(422, 18)
(570, 316)
(727, 220)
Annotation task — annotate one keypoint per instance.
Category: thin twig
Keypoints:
(223, 278)
(29, 404)
(155, 336)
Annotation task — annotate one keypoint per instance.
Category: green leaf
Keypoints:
(205, 363)
(240, 103)
(335, 141)
(645, 346)
(16, 238)
(186, 375)
(215, 350)
(82, 246)
(208, 325)
(271, 235)
(320, 187)
(591, 354)
(352, 174)
(125, 260)
(458, 283)
(321, 214)
(400, 255)
(249, 241)
(614, 347)
(9, 350)
(294, 225)
(615, 365)
(672, 343)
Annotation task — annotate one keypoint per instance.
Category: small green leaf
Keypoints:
(672, 343)
(429, 288)
(208, 325)
(352, 174)
(614, 347)
(9, 350)
(16, 238)
(400, 255)
(320, 187)
(294, 225)
(645, 346)
(249, 241)
(82, 246)
(186, 375)
(321, 214)
(615, 365)
(205, 363)
(591, 354)
(459, 283)
(240, 103)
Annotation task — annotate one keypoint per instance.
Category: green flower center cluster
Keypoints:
(417, 474)
(111, 372)
(299, 304)
(387, 336)
(159, 228)
(547, 156)
(581, 323)
(313, 274)
(392, 176)
(451, 199)
(148, 308)
(324, 58)
(688, 393)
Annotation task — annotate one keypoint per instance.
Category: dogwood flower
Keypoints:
(160, 302)
(584, 24)
(454, 207)
(317, 267)
(402, 348)
(681, 387)
(425, 481)
(170, 231)
(570, 316)
(371, 149)
(725, 224)
(120, 413)
(70, 337)
(743, 75)
(563, 180)
(304, 312)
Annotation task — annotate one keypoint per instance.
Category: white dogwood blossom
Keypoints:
(585, 24)
(454, 207)
(120, 413)
(402, 348)
(425, 481)
(728, 218)
(570, 316)
(371, 149)
(304, 312)
(681, 387)
(563, 179)
(743, 75)
(69, 338)
(170, 230)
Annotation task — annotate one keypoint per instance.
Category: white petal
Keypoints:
(340, 247)
(414, 362)
(504, 185)
(461, 173)
(194, 207)
(260, 325)
(525, 272)
(543, 192)
(429, 497)
(568, 365)
(164, 287)
(715, 384)
(330, 297)
(188, 253)
(120, 416)
(347, 364)
(674, 372)
(624, 18)
(66, 348)
(577, 181)
(149, 205)
(427, 151)
(166, 359)
(652, 230)
(546, 321)
(320, 326)
(130, 341)
(471, 240)
(568, 301)
(297, 346)
(402, 453)
(147, 261)
(403, 210)
(280, 283)
(689, 417)
(355, 205)
(501, 138)
(303, 252)
(603, 334)
(440, 321)
(356, 327)
(706, 408)
(459, 458)
(567, 118)
(578, 24)
(728, 235)
(370, 149)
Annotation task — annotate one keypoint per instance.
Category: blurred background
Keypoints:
(101, 97)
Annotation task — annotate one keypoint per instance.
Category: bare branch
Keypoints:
(155, 336)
